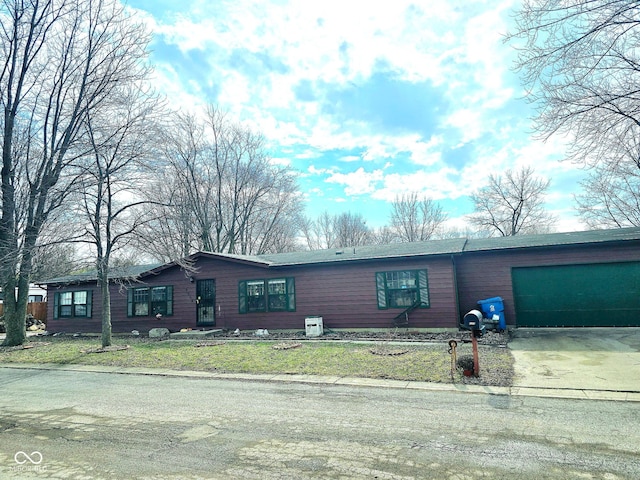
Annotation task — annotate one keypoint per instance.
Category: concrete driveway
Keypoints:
(603, 359)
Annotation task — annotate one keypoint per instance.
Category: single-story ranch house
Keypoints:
(587, 278)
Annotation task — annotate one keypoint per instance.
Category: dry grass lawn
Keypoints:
(378, 359)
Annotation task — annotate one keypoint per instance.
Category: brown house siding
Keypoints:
(80, 324)
(483, 275)
(344, 294)
(345, 297)
(183, 306)
(184, 312)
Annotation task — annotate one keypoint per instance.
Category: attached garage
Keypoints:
(567, 279)
(587, 295)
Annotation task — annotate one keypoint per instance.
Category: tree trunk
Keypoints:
(16, 329)
(16, 306)
(103, 281)
(14, 315)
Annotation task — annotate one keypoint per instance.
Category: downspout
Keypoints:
(454, 267)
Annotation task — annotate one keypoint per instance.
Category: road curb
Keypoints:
(514, 391)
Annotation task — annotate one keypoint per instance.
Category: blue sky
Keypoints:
(366, 100)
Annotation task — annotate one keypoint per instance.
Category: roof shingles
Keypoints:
(373, 252)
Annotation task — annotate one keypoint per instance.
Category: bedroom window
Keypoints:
(270, 295)
(150, 301)
(402, 289)
(75, 304)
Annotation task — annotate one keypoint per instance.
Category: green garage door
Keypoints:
(595, 295)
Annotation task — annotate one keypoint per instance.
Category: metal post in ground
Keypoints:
(476, 360)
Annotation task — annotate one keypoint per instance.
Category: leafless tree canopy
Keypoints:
(222, 191)
(53, 260)
(351, 230)
(611, 199)
(109, 205)
(580, 62)
(411, 220)
(512, 205)
(61, 60)
(337, 231)
(414, 219)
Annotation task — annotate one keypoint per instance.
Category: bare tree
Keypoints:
(513, 204)
(248, 189)
(120, 136)
(54, 256)
(61, 60)
(320, 233)
(351, 230)
(384, 235)
(226, 194)
(611, 200)
(180, 181)
(580, 63)
(170, 234)
(274, 226)
(337, 231)
(414, 219)
(610, 195)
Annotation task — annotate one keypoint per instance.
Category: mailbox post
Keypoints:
(473, 321)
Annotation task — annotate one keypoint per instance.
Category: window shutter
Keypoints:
(424, 287)
(291, 294)
(242, 297)
(129, 302)
(56, 302)
(89, 297)
(169, 299)
(382, 292)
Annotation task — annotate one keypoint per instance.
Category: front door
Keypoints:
(206, 302)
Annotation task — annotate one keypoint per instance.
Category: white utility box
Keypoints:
(313, 326)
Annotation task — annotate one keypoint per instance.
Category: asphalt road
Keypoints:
(64, 424)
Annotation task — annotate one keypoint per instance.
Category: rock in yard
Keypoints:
(158, 332)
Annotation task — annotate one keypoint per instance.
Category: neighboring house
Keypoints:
(581, 278)
(36, 294)
(36, 306)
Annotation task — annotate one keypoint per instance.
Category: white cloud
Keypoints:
(319, 171)
(320, 41)
(379, 185)
(359, 182)
(436, 185)
(307, 154)
(316, 191)
(453, 45)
